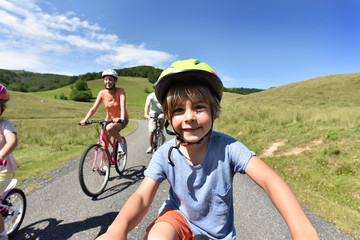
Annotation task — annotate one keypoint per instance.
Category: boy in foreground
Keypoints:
(200, 164)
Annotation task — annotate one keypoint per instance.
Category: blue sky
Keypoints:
(249, 43)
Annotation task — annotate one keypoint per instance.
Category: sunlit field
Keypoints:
(313, 127)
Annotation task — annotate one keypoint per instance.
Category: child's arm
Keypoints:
(9, 147)
(133, 210)
(283, 199)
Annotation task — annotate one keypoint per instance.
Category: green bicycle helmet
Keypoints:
(189, 70)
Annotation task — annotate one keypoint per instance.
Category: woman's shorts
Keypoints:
(176, 220)
(124, 123)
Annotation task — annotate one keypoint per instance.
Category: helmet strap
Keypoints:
(181, 141)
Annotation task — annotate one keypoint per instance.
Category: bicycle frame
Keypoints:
(11, 185)
(104, 140)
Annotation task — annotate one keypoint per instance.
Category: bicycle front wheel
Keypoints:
(121, 158)
(159, 139)
(94, 170)
(13, 210)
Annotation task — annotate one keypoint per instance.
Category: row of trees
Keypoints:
(243, 91)
(25, 81)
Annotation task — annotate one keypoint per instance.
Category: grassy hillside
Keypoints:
(315, 125)
(134, 88)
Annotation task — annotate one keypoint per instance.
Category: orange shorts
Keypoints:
(176, 220)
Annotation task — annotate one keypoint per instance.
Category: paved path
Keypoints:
(60, 210)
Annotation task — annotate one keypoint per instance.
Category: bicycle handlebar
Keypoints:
(3, 162)
(102, 122)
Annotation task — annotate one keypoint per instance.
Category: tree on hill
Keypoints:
(80, 91)
(243, 91)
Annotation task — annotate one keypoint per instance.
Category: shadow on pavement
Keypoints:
(52, 228)
(129, 177)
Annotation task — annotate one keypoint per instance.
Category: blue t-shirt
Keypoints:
(203, 194)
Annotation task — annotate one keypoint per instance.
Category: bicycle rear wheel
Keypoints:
(121, 159)
(13, 210)
(93, 172)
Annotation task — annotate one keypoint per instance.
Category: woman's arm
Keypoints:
(133, 210)
(122, 105)
(283, 198)
(92, 110)
(9, 147)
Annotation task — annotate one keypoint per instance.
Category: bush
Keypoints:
(82, 96)
(80, 91)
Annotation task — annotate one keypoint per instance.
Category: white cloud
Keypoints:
(131, 55)
(32, 36)
(22, 61)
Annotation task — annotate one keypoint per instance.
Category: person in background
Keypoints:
(153, 109)
(8, 143)
(114, 100)
(199, 165)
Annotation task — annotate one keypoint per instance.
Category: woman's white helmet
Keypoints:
(110, 72)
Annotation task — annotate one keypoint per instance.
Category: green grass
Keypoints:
(321, 115)
(326, 177)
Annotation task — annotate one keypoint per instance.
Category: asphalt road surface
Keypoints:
(58, 209)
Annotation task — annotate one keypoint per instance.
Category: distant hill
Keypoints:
(25, 81)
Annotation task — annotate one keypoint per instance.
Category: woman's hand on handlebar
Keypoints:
(82, 122)
(117, 120)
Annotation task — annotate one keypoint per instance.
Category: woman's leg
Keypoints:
(114, 130)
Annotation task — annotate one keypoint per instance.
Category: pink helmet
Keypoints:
(4, 94)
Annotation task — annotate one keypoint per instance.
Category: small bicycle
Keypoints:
(95, 162)
(12, 206)
(159, 137)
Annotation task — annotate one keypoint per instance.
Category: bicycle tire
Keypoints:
(121, 160)
(154, 141)
(14, 201)
(93, 180)
(158, 140)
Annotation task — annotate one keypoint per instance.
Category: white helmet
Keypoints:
(110, 72)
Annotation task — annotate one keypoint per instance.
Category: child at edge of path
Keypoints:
(8, 143)
(200, 164)
(114, 100)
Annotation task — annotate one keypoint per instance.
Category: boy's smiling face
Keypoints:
(192, 120)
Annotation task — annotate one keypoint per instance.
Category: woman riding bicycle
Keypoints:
(8, 142)
(114, 100)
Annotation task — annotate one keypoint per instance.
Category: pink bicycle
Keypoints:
(95, 162)
(12, 206)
